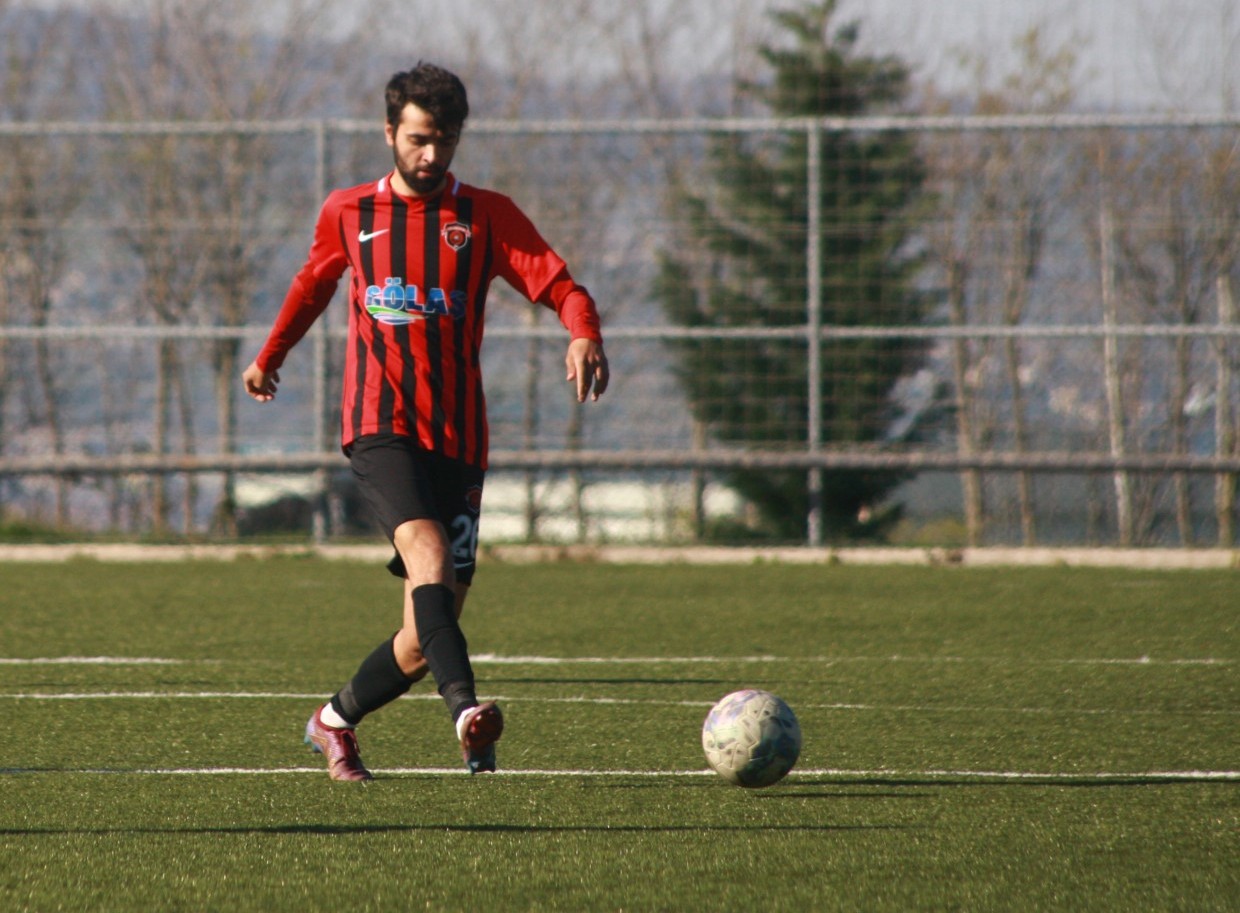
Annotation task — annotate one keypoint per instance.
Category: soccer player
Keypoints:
(422, 249)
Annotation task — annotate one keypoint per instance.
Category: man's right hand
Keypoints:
(260, 384)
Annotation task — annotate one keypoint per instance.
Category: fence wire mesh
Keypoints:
(1030, 322)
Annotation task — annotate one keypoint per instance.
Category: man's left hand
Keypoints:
(587, 365)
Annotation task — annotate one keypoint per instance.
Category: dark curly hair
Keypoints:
(438, 92)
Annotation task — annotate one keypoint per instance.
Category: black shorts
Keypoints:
(402, 482)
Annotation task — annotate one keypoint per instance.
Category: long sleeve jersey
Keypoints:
(420, 272)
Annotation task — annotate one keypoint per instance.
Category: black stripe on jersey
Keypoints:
(465, 214)
(366, 224)
(479, 307)
(434, 324)
(398, 238)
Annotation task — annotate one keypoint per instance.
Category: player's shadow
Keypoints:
(560, 680)
(1116, 781)
(450, 828)
(785, 790)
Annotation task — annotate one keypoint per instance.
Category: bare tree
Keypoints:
(998, 192)
(192, 199)
(1185, 272)
(1177, 243)
(1211, 28)
(37, 200)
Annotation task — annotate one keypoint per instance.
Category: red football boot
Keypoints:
(480, 728)
(339, 746)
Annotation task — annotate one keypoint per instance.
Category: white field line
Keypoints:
(498, 660)
(932, 775)
(90, 661)
(491, 658)
(495, 659)
(604, 701)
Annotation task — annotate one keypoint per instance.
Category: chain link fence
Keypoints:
(1070, 377)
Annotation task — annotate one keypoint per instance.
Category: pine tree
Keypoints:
(750, 229)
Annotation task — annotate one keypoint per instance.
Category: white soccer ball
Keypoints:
(751, 738)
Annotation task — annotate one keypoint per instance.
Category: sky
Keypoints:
(1143, 54)
(1147, 55)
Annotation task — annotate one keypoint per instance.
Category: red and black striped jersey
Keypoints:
(420, 270)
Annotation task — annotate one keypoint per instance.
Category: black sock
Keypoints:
(443, 645)
(378, 681)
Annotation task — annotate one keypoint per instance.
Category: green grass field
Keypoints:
(975, 739)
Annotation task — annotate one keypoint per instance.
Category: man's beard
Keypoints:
(421, 184)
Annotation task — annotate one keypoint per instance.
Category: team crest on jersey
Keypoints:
(456, 235)
(473, 498)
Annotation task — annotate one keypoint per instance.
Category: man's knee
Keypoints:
(419, 535)
(422, 547)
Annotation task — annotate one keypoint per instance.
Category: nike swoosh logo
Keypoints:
(364, 236)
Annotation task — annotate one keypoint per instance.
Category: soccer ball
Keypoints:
(751, 738)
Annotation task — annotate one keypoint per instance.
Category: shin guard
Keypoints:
(443, 645)
(378, 681)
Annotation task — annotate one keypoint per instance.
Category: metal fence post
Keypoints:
(813, 321)
(319, 525)
(1224, 430)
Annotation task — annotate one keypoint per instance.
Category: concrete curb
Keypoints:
(1149, 559)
